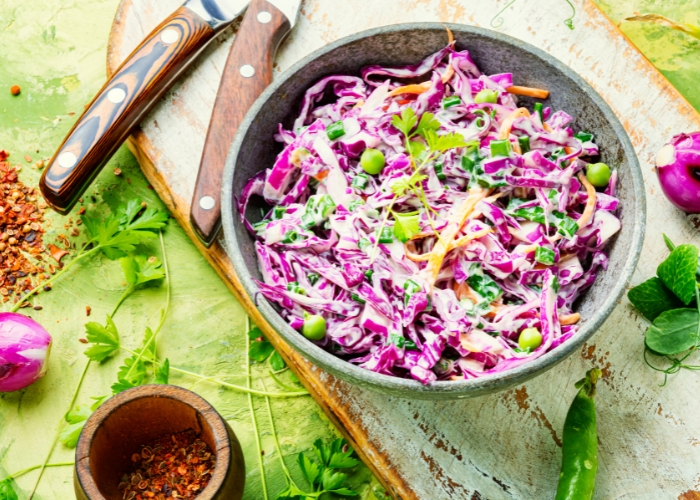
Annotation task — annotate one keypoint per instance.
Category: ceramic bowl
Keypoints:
(118, 429)
(254, 149)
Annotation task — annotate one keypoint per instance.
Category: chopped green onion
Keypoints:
(410, 345)
(387, 235)
(308, 221)
(545, 256)
(438, 171)
(538, 110)
(326, 205)
(290, 236)
(335, 130)
(566, 225)
(313, 278)
(259, 227)
(364, 243)
(397, 340)
(295, 288)
(467, 163)
(558, 153)
(450, 101)
(356, 203)
(411, 287)
(357, 298)
(360, 181)
(524, 142)
(501, 147)
(583, 136)
(485, 286)
(278, 212)
(368, 274)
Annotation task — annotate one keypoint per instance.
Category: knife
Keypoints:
(247, 73)
(130, 94)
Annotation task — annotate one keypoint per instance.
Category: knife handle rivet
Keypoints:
(247, 70)
(207, 202)
(264, 17)
(169, 36)
(67, 159)
(116, 95)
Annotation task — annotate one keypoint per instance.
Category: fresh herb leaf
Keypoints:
(98, 402)
(678, 272)
(439, 143)
(139, 269)
(345, 491)
(427, 122)
(669, 244)
(485, 286)
(276, 362)
(416, 149)
(7, 491)
(652, 298)
(163, 372)
(260, 351)
(104, 340)
(332, 480)
(293, 493)
(75, 419)
(412, 183)
(405, 122)
(131, 374)
(673, 331)
(406, 226)
(149, 222)
(255, 333)
(310, 469)
(323, 452)
(341, 459)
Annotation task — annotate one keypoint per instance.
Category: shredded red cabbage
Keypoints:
(434, 281)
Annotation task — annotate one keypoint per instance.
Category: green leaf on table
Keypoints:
(150, 221)
(673, 331)
(163, 372)
(75, 419)
(669, 244)
(276, 362)
(98, 402)
(427, 122)
(255, 333)
(131, 374)
(341, 455)
(405, 122)
(332, 480)
(345, 491)
(406, 226)
(678, 271)
(127, 213)
(261, 350)
(652, 298)
(104, 340)
(139, 269)
(309, 468)
(292, 493)
(7, 491)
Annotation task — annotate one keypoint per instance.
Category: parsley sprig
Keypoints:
(421, 153)
(667, 301)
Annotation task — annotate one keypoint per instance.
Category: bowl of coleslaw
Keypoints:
(433, 214)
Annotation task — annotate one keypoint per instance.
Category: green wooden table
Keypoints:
(54, 50)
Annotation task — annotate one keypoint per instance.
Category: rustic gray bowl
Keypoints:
(255, 149)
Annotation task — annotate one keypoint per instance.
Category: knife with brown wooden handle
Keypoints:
(247, 73)
(131, 92)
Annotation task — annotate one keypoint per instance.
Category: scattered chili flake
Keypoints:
(174, 466)
(38, 308)
(39, 164)
(15, 90)
(28, 158)
(88, 310)
(56, 253)
(81, 211)
(117, 171)
(83, 341)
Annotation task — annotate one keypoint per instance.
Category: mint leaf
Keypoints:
(652, 298)
(406, 226)
(427, 122)
(163, 372)
(405, 122)
(277, 362)
(260, 351)
(309, 468)
(104, 340)
(673, 331)
(678, 271)
(7, 491)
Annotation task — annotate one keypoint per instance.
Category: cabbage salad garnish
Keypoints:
(434, 231)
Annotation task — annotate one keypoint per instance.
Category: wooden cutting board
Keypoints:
(506, 445)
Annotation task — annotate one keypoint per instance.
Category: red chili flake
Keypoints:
(117, 171)
(83, 341)
(15, 90)
(56, 253)
(3, 155)
(88, 310)
(167, 468)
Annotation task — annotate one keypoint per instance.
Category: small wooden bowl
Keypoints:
(143, 414)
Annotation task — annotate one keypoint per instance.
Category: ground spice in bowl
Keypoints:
(173, 466)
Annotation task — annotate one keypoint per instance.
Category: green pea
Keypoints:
(372, 161)
(314, 327)
(530, 337)
(486, 95)
(598, 174)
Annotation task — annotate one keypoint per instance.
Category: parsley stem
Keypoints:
(381, 228)
(81, 255)
(261, 462)
(274, 437)
(35, 467)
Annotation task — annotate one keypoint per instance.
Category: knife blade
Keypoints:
(133, 90)
(247, 73)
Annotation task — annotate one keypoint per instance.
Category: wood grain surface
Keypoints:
(236, 95)
(132, 91)
(506, 445)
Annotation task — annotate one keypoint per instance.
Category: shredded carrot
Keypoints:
(321, 175)
(569, 319)
(528, 91)
(414, 256)
(463, 291)
(510, 119)
(414, 88)
(460, 242)
(450, 36)
(404, 101)
(447, 75)
(590, 203)
(455, 222)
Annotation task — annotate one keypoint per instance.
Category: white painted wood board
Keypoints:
(506, 445)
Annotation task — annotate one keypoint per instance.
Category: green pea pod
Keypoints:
(580, 444)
